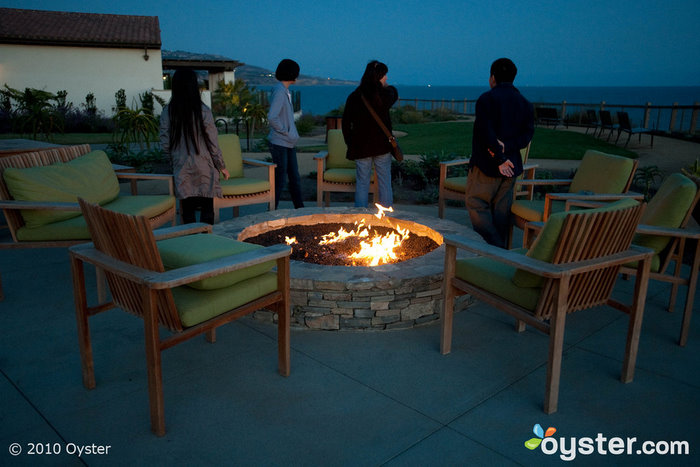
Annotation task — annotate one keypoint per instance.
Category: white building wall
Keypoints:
(81, 70)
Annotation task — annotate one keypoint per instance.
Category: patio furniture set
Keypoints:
(190, 281)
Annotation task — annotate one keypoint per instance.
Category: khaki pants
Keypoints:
(489, 200)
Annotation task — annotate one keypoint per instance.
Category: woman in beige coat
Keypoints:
(188, 134)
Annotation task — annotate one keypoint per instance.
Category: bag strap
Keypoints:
(381, 124)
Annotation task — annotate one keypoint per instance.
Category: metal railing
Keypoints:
(673, 118)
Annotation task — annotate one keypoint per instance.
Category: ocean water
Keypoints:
(319, 100)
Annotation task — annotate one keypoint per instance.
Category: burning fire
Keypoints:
(375, 250)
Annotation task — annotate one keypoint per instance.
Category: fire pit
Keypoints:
(388, 296)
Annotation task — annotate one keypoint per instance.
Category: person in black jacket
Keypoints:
(367, 143)
(505, 123)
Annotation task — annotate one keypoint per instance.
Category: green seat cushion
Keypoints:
(243, 186)
(196, 306)
(339, 175)
(90, 177)
(76, 228)
(230, 147)
(496, 278)
(533, 210)
(544, 246)
(187, 250)
(337, 150)
(456, 184)
(601, 173)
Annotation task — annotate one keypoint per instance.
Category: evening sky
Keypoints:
(450, 42)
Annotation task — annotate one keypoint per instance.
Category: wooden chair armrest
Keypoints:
(180, 276)
(595, 197)
(258, 162)
(39, 205)
(181, 230)
(134, 177)
(668, 231)
(543, 181)
(542, 268)
(321, 155)
(454, 162)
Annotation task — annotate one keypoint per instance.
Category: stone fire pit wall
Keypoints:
(390, 296)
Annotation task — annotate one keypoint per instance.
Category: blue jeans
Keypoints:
(287, 167)
(363, 173)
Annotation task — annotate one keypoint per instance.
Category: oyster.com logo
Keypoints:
(534, 443)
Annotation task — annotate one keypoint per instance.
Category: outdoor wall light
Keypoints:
(145, 53)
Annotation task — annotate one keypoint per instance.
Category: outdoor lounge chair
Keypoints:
(572, 266)
(626, 127)
(664, 229)
(606, 123)
(240, 190)
(336, 173)
(455, 187)
(599, 177)
(182, 278)
(547, 116)
(592, 121)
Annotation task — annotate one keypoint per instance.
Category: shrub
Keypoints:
(305, 124)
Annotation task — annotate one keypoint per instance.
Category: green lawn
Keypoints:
(456, 138)
(450, 138)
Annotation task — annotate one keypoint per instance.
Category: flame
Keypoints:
(376, 250)
(290, 240)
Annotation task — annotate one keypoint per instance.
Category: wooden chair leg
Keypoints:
(210, 336)
(441, 207)
(448, 301)
(556, 346)
(678, 259)
(690, 296)
(635, 324)
(153, 362)
(81, 314)
(283, 318)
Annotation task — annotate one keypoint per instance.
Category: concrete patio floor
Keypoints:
(353, 398)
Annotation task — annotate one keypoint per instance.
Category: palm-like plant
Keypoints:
(646, 177)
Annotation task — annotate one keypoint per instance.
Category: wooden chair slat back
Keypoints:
(129, 239)
(585, 236)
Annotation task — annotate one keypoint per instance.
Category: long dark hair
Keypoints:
(370, 86)
(185, 110)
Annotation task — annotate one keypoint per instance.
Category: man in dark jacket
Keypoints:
(504, 124)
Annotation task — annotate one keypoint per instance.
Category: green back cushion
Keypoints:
(195, 249)
(337, 149)
(231, 149)
(667, 208)
(90, 177)
(545, 245)
(601, 173)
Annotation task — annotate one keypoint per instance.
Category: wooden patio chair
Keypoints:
(454, 187)
(599, 177)
(336, 173)
(626, 127)
(591, 121)
(184, 280)
(664, 229)
(571, 267)
(240, 190)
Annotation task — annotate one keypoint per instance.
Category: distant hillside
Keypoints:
(256, 76)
